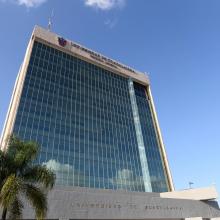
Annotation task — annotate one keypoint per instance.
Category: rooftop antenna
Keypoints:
(50, 21)
(190, 185)
(147, 74)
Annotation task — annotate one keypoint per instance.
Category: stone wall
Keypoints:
(85, 203)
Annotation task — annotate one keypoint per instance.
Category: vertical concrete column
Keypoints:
(140, 140)
(15, 98)
(161, 144)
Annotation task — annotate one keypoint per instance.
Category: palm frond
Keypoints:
(38, 200)
(40, 174)
(7, 167)
(27, 153)
(18, 176)
(14, 144)
(3, 168)
(5, 160)
(23, 152)
(15, 209)
(10, 190)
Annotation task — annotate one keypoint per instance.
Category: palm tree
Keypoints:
(21, 178)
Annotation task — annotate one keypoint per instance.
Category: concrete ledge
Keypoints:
(84, 203)
(207, 193)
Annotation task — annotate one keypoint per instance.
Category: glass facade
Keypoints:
(155, 163)
(82, 117)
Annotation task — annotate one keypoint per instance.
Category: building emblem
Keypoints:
(62, 41)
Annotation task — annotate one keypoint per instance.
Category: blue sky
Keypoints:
(176, 41)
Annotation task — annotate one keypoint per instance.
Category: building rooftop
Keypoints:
(89, 55)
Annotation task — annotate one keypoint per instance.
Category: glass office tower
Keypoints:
(93, 118)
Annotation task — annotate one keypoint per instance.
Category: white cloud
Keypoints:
(105, 4)
(30, 3)
(125, 178)
(56, 166)
(26, 3)
(64, 172)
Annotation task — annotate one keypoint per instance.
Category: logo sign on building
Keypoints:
(62, 41)
(96, 56)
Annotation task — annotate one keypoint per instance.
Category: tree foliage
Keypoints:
(21, 178)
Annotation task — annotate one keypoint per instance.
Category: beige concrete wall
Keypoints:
(15, 98)
(206, 193)
(195, 218)
(84, 203)
(160, 142)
